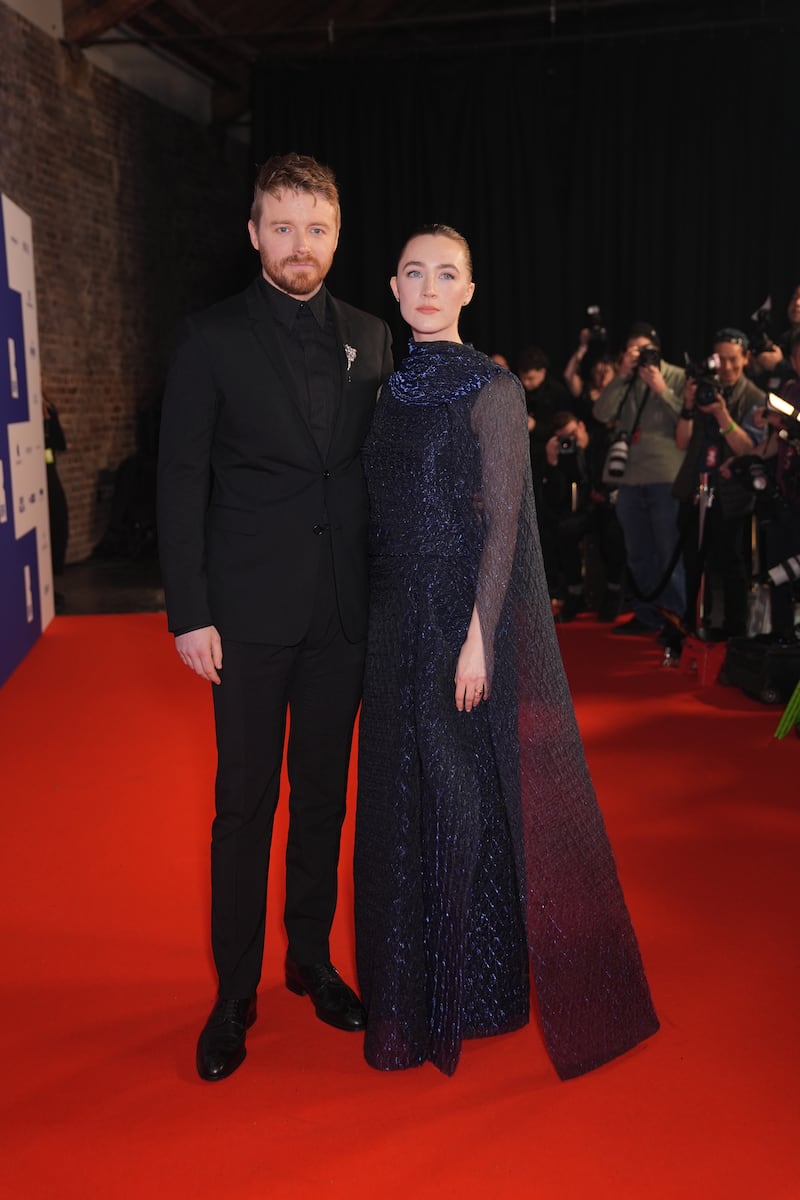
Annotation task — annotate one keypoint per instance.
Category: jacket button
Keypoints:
(319, 530)
(326, 474)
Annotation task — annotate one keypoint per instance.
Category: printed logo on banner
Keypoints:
(26, 583)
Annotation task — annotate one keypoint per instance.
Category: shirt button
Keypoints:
(326, 474)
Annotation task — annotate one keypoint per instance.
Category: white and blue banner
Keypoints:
(26, 580)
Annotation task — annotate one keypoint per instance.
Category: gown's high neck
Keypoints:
(439, 372)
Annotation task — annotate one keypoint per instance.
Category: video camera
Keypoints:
(706, 375)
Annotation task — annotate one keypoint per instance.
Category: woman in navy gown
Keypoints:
(481, 859)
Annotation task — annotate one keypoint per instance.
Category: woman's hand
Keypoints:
(472, 686)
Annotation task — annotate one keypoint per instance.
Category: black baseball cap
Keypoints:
(644, 329)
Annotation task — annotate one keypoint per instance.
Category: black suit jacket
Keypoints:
(246, 503)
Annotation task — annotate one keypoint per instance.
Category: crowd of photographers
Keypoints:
(671, 493)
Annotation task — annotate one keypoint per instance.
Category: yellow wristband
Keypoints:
(730, 429)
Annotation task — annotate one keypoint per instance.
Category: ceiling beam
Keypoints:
(201, 20)
(85, 22)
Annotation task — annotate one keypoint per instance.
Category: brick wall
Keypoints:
(138, 217)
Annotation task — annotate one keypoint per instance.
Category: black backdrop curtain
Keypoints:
(657, 178)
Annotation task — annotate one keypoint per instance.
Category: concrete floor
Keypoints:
(111, 585)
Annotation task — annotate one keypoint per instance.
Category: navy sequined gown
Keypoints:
(481, 858)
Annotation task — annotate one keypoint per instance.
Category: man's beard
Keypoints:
(295, 283)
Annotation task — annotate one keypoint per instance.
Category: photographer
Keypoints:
(591, 367)
(587, 377)
(770, 360)
(643, 403)
(792, 372)
(716, 423)
(772, 473)
(544, 397)
(576, 506)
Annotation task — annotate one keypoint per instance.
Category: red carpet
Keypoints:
(107, 977)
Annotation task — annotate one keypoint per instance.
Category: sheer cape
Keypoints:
(481, 852)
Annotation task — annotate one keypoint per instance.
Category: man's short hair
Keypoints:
(295, 173)
(561, 420)
(729, 334)
(532, 359)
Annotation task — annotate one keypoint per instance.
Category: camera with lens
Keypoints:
(787, 571)
(760, 340)
(617, 458)
(598, 334)
(649, 356)
(706, 375)
(567, 444)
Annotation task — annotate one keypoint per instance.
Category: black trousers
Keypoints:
(725, 550)
(318, 682)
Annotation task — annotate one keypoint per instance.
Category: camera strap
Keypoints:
(640, 409)
(645, 398)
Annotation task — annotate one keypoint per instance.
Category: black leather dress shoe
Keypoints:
(220, 1047)
(334, 1001)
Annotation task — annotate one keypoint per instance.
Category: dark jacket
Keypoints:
(246, 503)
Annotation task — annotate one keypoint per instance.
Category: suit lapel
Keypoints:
(343, 334)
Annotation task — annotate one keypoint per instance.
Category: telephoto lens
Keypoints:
(785, 572)
(617, 458)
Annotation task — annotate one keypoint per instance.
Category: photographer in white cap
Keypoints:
(716, 423)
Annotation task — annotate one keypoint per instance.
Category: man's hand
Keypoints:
(719, 411)
(654, 379)
(768, 359)
(629, 362)
(201, 649)
(551, 450)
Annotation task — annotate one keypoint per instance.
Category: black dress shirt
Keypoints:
(308, 338)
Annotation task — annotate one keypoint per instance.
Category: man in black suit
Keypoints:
(262, 526)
